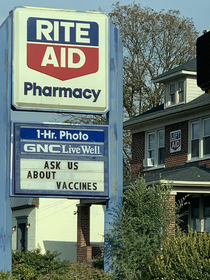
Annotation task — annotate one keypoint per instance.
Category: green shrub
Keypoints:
(5, 275)
(186, 257)
(81, 271)
(32, 264)
(139, 228)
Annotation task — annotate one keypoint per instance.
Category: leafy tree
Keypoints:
(154, 42)
(139, 228)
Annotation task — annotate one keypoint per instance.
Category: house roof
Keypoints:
(155, 114)
(189, 172)
(23, 202)
(189, 67)
(190, 177)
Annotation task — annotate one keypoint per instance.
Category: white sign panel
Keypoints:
(60, 60)
(175, 141)
(61, 175)
(60, 160)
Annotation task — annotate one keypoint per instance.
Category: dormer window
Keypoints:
(180, 91)
(172, 93)
(176, 93)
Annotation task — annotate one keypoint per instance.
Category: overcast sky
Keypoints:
(198, 10)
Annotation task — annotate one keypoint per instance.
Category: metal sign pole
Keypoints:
(5, 105)
(115, 117)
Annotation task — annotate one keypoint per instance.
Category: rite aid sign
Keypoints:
(60, 60)
(175, 141)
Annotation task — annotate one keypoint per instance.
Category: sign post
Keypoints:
(58, 61)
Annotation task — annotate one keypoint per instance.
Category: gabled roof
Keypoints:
(189, 67)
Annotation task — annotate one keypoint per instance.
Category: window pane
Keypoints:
(172, 93)
(181, 91)
(206, 205)
(172, 98)
(181, 86)
(195, 130)
(206, 128)
(161, 155)
(206, 145)
(151, 154)
(172, 88)
(195, 214)
(207, 224)
(161, 138)
(151, 143)
(196, 224)
(195, 148)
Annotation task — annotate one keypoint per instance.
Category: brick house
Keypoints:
(173, 140)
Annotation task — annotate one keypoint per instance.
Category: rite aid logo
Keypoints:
(62, 49)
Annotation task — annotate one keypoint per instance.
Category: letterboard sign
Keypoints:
(60, 160)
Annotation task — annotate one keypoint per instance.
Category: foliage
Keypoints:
(185, 256)
(32, 264)
(154, 42)
(81, 271)
(139, 227)
(5, 275)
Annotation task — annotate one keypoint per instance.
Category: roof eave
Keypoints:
(173, 75)
(132, 123)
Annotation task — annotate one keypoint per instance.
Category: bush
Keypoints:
(32, 264)
(81, 271)
(185, 256)
(138, 229)
(5, 275)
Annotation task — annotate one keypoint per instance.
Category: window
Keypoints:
(195, 139)
(200, 213)
(155, 148)
(172, 93)
(180, 91)
(161, 146)
(151, 145)
(206, 137)
(195, 223)
(176, 93)
(200, 138)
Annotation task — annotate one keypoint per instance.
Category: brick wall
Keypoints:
(171, 159)
(84, 250)
(205, 162)
(172, 213)
(176, 158)
(138, 144)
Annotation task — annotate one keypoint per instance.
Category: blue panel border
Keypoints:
(98, 135)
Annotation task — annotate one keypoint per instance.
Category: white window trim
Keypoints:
(168, 94)
(201, 136)
(156, 131)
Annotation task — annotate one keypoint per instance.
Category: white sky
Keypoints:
(198, 10)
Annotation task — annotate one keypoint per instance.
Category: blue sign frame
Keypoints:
(50, 142)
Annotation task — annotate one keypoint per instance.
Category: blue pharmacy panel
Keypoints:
(54, 160)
